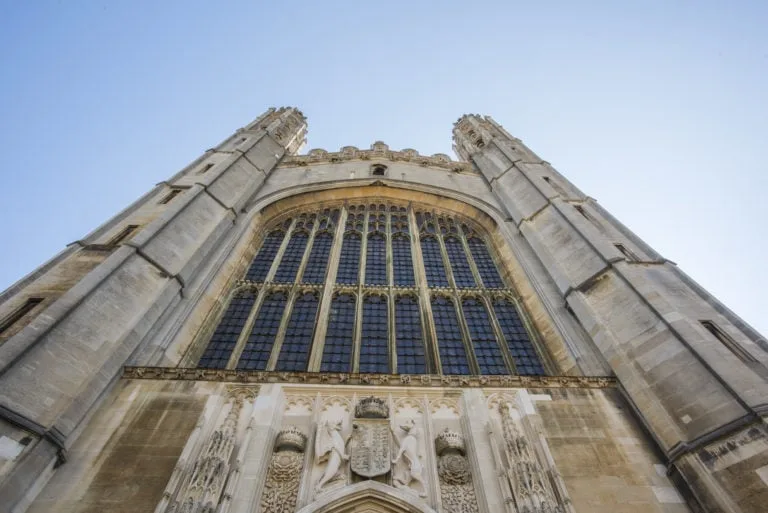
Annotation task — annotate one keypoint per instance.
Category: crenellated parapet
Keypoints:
(378, 151)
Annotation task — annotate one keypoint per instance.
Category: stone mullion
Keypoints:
(318, 340)
(505, 352)
(425, 304)
(294, 289)
(278, 344)
(470, 258)
(468, 345)
(360, 293)
(446, 260)
(242, 340)
(391, 297)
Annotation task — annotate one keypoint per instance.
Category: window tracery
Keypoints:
(378, 325)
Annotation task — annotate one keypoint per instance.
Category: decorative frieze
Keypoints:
(400, 380)
(379, 151)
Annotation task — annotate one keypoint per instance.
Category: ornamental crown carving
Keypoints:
(291, 439)
(372, 408)
(448, 440)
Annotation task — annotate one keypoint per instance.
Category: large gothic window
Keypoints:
(431, 299)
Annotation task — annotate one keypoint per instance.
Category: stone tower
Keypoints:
(374, 330)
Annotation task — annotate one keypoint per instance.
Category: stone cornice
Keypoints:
(335, 378)
(378, 151)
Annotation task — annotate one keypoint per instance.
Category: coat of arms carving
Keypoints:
(370, 446)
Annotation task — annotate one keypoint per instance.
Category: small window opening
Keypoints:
(205, 168)
(728, 342)
(627, 253)
(580, 210)
(378, 170)
(169, 197)
(16, 315)
(123, 235)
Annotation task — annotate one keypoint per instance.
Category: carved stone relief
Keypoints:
(453, 470)
(202, 483)
(411, 454)
(284, 474)
(528, 486)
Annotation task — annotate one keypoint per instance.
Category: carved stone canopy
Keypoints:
(291, 439)
(449, 441)
(372, 408)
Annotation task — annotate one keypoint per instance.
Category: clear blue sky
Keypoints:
(659, 109)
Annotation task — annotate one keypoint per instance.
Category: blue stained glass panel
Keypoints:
(374, 346)
(294, 353)
(337, 352)
(487, 350)
(408, 337)
(257, 349)
(266, 255)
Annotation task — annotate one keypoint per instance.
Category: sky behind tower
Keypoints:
(658, 109)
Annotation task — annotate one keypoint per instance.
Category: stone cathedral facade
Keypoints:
(373, 330)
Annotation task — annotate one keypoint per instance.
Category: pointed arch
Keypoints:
(374, 496)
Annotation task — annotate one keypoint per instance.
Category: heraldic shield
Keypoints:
(369, 447)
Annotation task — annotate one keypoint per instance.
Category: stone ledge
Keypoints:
(335, 378)
(379, 151)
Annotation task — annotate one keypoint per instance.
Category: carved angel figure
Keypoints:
(330, 449)
(409, 449)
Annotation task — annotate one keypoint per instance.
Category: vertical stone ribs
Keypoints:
(202, 491)
(532, 490)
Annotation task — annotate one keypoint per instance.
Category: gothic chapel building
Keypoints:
(374, 330)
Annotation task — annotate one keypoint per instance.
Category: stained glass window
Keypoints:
(337, 352)
(318, 258)
(374, 347)
(259, 346)
(294, 352)
(376, 260)
(487, 351)
(227, 332)
(349, 262)
(402, 263)
(433, 262)
(462, 273)
(484, 263)
(294, 252)
(389, 229)
(520, 346)
(263, 261)
(453, 355)
(408, 338)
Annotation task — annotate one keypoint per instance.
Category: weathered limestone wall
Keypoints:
(607, 462)
(688, 387)
(142, 448)
(65, 357)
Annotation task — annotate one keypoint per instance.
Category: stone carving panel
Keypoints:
(453, 470)
(284, 475)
